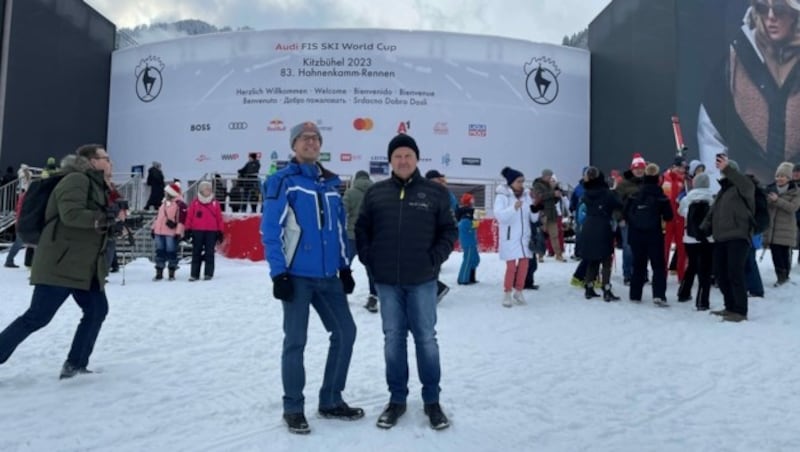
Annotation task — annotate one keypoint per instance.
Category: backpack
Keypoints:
(697, 212)
(642, 212)
(32, 217)
(760, 220)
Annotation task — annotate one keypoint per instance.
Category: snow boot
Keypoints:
(171, 274)
(590, 293)
(608, 295)
(159, 274)
(519, 298)
(507, 299)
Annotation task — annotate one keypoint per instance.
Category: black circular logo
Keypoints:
(148, 83)
(542, 85)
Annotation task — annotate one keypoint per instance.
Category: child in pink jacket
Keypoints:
(168, 230)
(204, 225)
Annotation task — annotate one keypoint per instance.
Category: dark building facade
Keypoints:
(54, 79)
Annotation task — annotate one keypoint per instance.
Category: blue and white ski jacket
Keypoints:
(303, 224)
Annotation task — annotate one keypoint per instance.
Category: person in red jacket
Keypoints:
(204, 225)
(673, 185)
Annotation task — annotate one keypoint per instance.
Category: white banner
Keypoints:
(473, 103)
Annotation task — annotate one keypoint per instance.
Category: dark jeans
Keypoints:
(166, 251)
(45, 303)
(752, 276)
(648, 246)
(12, 252)
(700, 257)
(781, 260)
(328, 299)
(627, 254)
(730, 258)
(203, 247)
(404, 309)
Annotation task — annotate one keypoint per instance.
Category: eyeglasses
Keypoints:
(309, 137)
(777, 10)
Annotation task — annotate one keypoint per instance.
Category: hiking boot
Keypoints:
(702, 308)
(159, 274)
(519, 298)
(734, 317)
(531, 286)
(626, 281)
(436, 416)
(10, 265)
(472, 279)
(193, 278)
(507, 299)
(297, 423)
(390, 415)
(608, 295)
(372, 304)
(781, 281)
(589, 292)
(69, 371)
(343, 412)
(721, 312)
(441, 290)
(171, 274)
(661, 302)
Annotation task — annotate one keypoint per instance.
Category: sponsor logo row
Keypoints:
(344, 157)
(359, 124)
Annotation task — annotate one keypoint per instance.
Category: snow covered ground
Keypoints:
(196, 367)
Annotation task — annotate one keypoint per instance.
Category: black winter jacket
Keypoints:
(405, 230)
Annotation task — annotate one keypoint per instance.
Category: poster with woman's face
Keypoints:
(750, 104)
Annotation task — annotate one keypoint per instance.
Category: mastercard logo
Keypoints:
(364, 124)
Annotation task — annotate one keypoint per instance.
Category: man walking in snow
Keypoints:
(70, 258)
(305, 236)
(404, 232)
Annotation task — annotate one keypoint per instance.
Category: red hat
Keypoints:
(173, 189)
(638, 162)
(466, 199)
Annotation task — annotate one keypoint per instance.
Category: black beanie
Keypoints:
(511, 174)
(402, 140)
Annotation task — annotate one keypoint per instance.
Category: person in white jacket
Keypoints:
(699, 244)
(514, 213)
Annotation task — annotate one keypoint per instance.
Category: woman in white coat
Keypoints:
(513, 212)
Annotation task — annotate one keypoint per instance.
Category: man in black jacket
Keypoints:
(405, 230)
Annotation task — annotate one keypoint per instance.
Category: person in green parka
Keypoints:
(70, 258)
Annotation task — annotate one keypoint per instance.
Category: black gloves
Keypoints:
(220, 237)
(536, 207)
(282, 288)
(346, 277)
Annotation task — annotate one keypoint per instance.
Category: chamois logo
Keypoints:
(542, 80)
(149, 78)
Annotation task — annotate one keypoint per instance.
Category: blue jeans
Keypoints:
(330, 302)
(752, 276)
(12, 252)
(166, 251)
(45, 303)
(627, 254)
(404, 309)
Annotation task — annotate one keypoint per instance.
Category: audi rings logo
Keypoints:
(241, 125)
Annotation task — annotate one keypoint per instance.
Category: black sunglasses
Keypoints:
(778, 10)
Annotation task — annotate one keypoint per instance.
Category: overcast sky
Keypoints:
(533, 20)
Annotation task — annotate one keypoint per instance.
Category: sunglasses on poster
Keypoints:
(777, 10)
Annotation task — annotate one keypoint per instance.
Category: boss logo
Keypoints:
(200, 127)
(241, 125)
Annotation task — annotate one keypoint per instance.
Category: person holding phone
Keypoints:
(731, 229)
